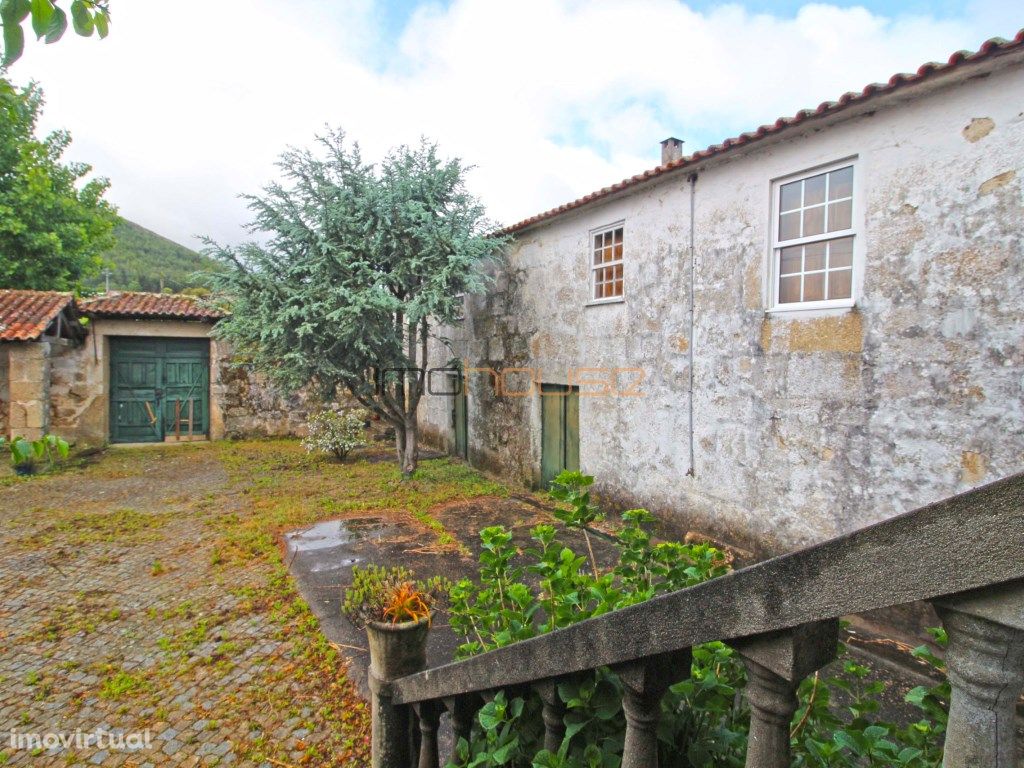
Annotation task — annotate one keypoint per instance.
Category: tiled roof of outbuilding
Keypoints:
(996, 45)
(130, 304)
(25, 315)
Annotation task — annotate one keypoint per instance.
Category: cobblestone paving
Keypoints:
(117, 616)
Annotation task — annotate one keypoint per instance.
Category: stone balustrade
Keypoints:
(965, 554)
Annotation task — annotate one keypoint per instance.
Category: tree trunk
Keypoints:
(408, 453)
(400, 443)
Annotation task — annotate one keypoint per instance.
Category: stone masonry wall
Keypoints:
(5, 392)
(806, 424)
(28, 374)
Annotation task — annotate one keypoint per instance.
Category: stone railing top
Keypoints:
(969, 541)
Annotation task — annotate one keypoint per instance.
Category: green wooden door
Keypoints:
(460, 421)
(152, 382)
(560, 431)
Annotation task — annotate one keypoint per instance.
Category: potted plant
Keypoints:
(396, 611)
(25, 452)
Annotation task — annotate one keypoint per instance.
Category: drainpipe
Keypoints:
(693, 191)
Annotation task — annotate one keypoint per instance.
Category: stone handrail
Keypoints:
(965, 554)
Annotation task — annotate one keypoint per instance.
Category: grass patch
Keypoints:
(122, 685)
(125, 526)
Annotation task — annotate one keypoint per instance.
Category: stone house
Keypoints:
(784, 337)
(128, 368)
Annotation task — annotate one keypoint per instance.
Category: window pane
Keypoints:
(840, 215)
(840, 284)
(840, 252)
(789, 289)
(618, 288)
(617, 272)
(618, 236)
(597, 256)
(790, 261)
(598, 241)
(618, 251)
(814, 220)
(840, 183)
(789, 225)
(814, 256)
(790, 197)
(814, 190)
(814, 287)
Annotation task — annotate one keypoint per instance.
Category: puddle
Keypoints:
(332, 544)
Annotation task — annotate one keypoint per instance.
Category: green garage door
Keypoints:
(159, 389)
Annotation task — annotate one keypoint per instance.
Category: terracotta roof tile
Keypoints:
(129, 304)
(25, 315)
(990, 48)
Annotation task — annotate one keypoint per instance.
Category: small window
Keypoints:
(606, 264)
(814, 235)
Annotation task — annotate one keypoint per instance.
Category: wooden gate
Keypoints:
(159, 389)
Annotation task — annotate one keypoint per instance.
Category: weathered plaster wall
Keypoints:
(806, 424)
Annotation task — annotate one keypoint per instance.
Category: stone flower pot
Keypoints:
(397, 650)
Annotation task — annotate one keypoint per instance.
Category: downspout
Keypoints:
(693, 190)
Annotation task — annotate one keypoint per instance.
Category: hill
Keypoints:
(145, 261)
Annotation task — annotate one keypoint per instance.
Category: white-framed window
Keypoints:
(814, 238)
(606, 263)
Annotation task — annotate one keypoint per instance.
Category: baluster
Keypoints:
(392, 745)
(429, 715)
(553, 713)
(462, 710)
(645, 682)
(985, 665)
(776, 663)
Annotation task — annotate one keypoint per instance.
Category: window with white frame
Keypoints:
(814, 233)
(606, 264)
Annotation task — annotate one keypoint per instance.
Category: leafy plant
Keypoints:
(705, 720)
(392, 595)
(337, 432)
(25, 452)
(50, 21)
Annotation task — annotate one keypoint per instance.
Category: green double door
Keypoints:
(156, 385)
(560, 431)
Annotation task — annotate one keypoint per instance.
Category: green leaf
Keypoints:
(58, 25)
(14, 43)
(102, 23)
(14, 11)
(42, 15)
(81, 18)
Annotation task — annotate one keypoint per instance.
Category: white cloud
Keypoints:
(185, 106)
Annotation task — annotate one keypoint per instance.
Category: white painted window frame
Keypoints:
(592, 279)
(856, 231)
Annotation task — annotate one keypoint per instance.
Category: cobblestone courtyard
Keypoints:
(143, 595)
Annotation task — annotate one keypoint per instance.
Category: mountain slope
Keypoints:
(145, 261)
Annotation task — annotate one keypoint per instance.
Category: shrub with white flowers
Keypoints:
(337, 432)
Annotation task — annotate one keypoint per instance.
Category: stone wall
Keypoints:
(5, 392)
(28, 389)
(805, 424)
(254, 407)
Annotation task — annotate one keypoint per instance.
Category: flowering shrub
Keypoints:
(337, 432)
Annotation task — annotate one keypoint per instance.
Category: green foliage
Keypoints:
(25, 452)
(357, 265)
(705, 720)
(142, 260)
(372, 595)
(52, 230)
(337, 432)
(49, 21)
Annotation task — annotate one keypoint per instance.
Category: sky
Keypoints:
(188, 104)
